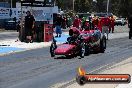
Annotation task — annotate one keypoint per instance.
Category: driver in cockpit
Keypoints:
(74, 34)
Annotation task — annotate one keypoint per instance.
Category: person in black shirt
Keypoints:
(29, 25)
(130, 26)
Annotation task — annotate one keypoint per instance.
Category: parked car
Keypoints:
(120, 21)
(10, 25)
(126, 21)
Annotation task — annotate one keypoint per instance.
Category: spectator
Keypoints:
(112, 22)
(64, 24)
(91, 23)
(18, 25)
(95, 21)
(58, 24)
(105, 22)
(77, 22)
(69, 21)
(99, 24)
(130, 26)
(86, 25)
(29, 25)
(83, 21)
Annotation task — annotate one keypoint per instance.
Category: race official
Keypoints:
(29, 25)
(77, 22)
(105, 22)
(99, 24)
(112, 23)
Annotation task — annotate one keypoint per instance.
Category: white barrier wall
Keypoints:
(7, 13)
(44, 13)
(40, 13)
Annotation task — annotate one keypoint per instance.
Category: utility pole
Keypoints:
(11, 4)
(73, 5)
(107, 7)
(21, 22)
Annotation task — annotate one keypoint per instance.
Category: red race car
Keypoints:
(81, 44)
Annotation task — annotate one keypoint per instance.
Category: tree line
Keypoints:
(117, 7)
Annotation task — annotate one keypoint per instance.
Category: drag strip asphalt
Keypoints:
(36, 69)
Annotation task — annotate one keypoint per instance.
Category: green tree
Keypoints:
(60, 3)
(82, 5)
(101, 6)
(13, 3)
(124, 8)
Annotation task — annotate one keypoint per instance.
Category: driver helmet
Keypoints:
(74, 31)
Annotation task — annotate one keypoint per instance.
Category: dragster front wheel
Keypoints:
(103, 45)
(52, 49)
(82, 50)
